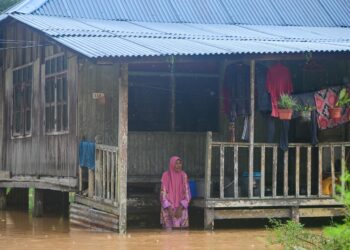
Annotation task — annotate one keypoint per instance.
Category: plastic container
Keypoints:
(193, 188)
(256, 183)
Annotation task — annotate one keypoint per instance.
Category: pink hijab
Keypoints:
(173, 182)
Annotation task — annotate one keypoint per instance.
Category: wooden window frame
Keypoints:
(25, 105)
(58, 94)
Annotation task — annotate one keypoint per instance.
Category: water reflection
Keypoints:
(18, 230)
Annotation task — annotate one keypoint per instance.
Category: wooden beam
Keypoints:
(251, 213)
(274, 171)
(175, 74)
(320, 162)
(285, 176)
(297, 171)
(343, 169)
(235, 167)
(123, 145)
(277, 202)
(295, 216)
(262, 170)
(332, 171)
(208, 165)
(97, 203)
(251, 126)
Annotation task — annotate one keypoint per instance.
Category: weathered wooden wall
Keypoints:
(38, 154)
(98, 118)
(149, 153)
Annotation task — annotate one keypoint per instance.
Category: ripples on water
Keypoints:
(18, 230)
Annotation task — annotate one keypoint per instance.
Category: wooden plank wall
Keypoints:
(149, 152)
(98, 119)
(38, 154)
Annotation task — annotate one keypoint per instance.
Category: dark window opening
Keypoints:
(22, 101)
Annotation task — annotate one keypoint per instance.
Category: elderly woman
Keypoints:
(174, 196)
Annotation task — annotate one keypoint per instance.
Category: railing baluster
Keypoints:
(235, 181)
(320, 159)
(208, 154)
(116, 178)
(332, 171)
(297, 171)
(108, 175)
(222, 170)
(309, 170)
(104, 175)
(274, 172)
(343, 165)
(112, 176)
(285, 179)
(262, 178)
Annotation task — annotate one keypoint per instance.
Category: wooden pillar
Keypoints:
(122, 146)
(208, 213)
(209, 218)
(172, 95)
(38, 203)
(295, 214)
(251, 127)
(91, 183)
(2, 198)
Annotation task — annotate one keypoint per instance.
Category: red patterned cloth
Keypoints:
(325, 99)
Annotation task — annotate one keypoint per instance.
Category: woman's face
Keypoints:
(178, 165)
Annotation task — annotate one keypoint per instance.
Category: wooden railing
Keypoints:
(301, 169)
(103, 180)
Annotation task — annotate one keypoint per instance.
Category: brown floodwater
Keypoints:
(18, 230)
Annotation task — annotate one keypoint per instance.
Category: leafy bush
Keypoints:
(292, 235)
(286, 102)
(343, 98)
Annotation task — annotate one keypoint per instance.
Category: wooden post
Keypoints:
(80, 179)
(343, 169)
(208, 213)
(235, 159)
(262, 178)
(297, 171)
(123, 146)
(2, 198)
(251, 127)
(38, 203)
(222, 171)
(91, 185)
(309, 159)
(320, 159)
(332, 171)
(285, 176)
(172, 95)
(295, 214)
(274, 172)
(209, 218)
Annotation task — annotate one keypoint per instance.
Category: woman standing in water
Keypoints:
(174, 196)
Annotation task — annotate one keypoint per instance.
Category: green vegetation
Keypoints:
(5, 4)
(343, 98)
(293, 235)
(286, 102)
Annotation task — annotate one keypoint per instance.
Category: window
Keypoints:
(56, 95)
(22, 101)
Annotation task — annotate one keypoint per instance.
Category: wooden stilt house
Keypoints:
(145, 80)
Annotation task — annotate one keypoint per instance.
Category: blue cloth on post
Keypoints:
(87, 154)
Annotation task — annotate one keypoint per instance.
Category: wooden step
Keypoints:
(88, 217)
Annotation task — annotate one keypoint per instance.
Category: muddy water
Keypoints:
(18, 230)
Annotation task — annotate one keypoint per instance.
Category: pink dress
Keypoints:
(166, 219)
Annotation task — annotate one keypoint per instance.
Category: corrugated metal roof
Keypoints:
(59, 26)
(320, 13)
(96, 47)
(25, 6)
(338, 10)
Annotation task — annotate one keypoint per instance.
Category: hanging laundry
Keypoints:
(239, 74)
(325, 99)
(87, 154)
(278, 82)
(307, 99)
(263, 97)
